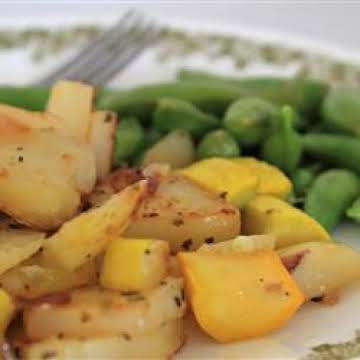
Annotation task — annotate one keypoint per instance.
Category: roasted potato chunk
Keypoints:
(85, 236)
(321, 268)
(102, 140)
(18, 245)
(162, 343)
(33, 280)
(31, 119)
(42, 175)
(72, 102)
(184, 214)
(241, 243)
(92, 312)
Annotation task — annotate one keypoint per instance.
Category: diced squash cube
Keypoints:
(240, 295)
(272, 181)
(242, 244)
(224, 176)
(7, 310)
(87, 235)
(270, 215)
(134, 264)
(72, 102)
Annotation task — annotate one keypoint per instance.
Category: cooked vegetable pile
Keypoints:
(115, 221)
(301, 126)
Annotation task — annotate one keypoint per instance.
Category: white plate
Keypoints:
(314, 323)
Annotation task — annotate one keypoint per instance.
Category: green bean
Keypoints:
(129, 139)
(353, 212)
(172, 114)
(284, 147)
(304, 95)
(141, 101)
(330, 195)
(302, 179)
(339, 150)
(218, 143)
(27, 97)
(152, 136)
(249, 120)
(34, 98)
(341, 110)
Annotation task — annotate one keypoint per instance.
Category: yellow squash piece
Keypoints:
(85, 236)
(134, 264)
(7, 310)
(271, 215)
(240, 295)
(224, 176)
(272, 181)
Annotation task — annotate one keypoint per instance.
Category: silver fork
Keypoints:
(109, 53)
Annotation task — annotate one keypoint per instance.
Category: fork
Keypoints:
(109, 53)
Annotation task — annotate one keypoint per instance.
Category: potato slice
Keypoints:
(85, 236)
(176, 149)
(134, 264)
(224, 176)
(321, 268)
(184, 214)
(42, 175)
(32, 119)
(241, 244)
(160, 344)
(237, 296)
(96, 312)
(17, 246)
(72, 102)
(270, 215)
(102, 140)
(30, 281)
(76, 161)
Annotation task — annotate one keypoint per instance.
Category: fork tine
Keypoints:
(120, 43)
(88, 51)
(118, 64)
(104, 50)
(137, 41)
